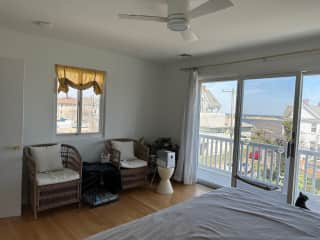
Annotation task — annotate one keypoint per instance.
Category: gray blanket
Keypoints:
(223, 214)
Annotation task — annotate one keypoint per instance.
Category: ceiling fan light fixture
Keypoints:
(180, 13)
(177, 22)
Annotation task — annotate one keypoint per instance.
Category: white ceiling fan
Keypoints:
(180, 15)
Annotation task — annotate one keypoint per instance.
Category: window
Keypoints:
(90, 106)
(67, 112)
(78, 103)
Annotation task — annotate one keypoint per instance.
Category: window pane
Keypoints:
(267, 116)
(67, 112)
(308, 155)
(217, 132)
(90, 111)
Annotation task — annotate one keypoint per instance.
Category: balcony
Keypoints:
(264, 163)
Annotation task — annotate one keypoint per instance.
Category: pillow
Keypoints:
(105, 157)
(47, 158)
(125, 148)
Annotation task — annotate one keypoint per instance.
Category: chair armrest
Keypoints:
(31, 165)
(142, 152)
(115, 157)
(71, 158)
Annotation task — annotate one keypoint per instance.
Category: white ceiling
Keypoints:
(95, 23)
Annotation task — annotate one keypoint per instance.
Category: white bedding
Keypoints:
(222, 214)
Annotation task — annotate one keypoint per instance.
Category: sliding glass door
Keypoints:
(262, 131)
(217, 115)
(266, 130)
(307, 167)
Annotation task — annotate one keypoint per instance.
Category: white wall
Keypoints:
(176, 81)
(132, 90)
(175, 85)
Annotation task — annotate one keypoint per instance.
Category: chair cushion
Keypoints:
(126, 149)
(135, 163)
(58, 176)
(47, 158)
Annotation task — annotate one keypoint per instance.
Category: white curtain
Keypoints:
(186, 171)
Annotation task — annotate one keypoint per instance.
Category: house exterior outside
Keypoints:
(270, 127)
(213, 122)
(310, 127)
(263, 143)
(216, 123)
(67, 114)
(309, 137)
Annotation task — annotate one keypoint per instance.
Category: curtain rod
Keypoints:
(264, 58)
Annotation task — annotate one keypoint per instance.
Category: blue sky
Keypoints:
(268, 96)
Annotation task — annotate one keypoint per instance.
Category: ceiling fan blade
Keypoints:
(143, 17)
(210, 6)
(189, 36)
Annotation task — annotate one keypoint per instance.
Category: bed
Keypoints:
(227, 213)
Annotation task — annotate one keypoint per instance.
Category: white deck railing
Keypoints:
(260, 162)
(309, 171)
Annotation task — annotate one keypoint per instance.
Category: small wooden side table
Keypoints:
(165, 186)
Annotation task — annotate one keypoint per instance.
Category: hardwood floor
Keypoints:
(74, 223)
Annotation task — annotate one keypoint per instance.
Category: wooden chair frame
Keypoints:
(59, 194)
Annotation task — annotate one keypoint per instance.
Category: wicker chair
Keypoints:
(130, 177)
(43, 197)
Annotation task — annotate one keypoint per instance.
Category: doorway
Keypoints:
(11, 108)
(274, 124)
(266, 129)
(217, 115)
(307, 164)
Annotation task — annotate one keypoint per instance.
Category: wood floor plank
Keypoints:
(6, 231)
(73, 223)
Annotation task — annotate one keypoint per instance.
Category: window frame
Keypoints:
(100, 132)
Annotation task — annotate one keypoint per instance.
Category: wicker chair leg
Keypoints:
(35, 214)
(35, 211)
(34, 202)
(79, 195)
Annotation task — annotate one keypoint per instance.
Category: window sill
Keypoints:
(79, 136)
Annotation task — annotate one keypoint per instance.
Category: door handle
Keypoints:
(14, 147)
(289, 149)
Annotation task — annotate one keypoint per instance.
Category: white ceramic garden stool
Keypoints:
(165, 186)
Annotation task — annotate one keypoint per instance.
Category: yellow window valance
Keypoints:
(79, 78)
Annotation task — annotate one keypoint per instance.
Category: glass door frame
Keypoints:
(293, 171)
(292, 175)
(297, 113)
(224, 79)
(295, 127)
